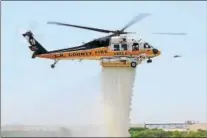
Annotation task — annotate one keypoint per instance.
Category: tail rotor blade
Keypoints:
(34, 27)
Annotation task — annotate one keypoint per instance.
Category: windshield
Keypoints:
(141, 44)
(147, 45)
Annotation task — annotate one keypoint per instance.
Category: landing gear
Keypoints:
(149, 61)
(53, 65)
(133, 64)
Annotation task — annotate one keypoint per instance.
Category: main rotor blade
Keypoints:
(105, 37)
(83, 27)
(136, 19)
(129, 32)
(170, 33)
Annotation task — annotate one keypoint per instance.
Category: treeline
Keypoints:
(135, 132)
(144, 132)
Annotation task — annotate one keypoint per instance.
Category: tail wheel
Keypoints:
(133, 64)
(52, 66)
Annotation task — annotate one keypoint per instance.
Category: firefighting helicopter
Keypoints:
(122, 50)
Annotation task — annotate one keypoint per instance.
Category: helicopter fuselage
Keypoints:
(99, 49)
(118, 47)
(92, 54)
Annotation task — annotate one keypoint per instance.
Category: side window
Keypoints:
(124, 47)
(116, 47)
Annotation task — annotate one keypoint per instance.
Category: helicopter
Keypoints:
(114, 49)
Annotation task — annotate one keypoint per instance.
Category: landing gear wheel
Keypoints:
(52, 66)
(149, 61)
(133, 64)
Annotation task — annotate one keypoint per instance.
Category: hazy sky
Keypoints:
(168, 90)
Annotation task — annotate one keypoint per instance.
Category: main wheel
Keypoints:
(52, 66)
(133, 64)
(149, 61)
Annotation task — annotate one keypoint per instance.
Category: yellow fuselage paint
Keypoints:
(94, 54)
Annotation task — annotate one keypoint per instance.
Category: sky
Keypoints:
(168, 90)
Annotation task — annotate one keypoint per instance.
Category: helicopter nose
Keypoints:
(155, 51)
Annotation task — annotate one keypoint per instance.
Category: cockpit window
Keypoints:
(146, 45)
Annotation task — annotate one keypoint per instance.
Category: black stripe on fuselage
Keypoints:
(90, 45)
(74, 49)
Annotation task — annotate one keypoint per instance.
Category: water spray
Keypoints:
(117, 84)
